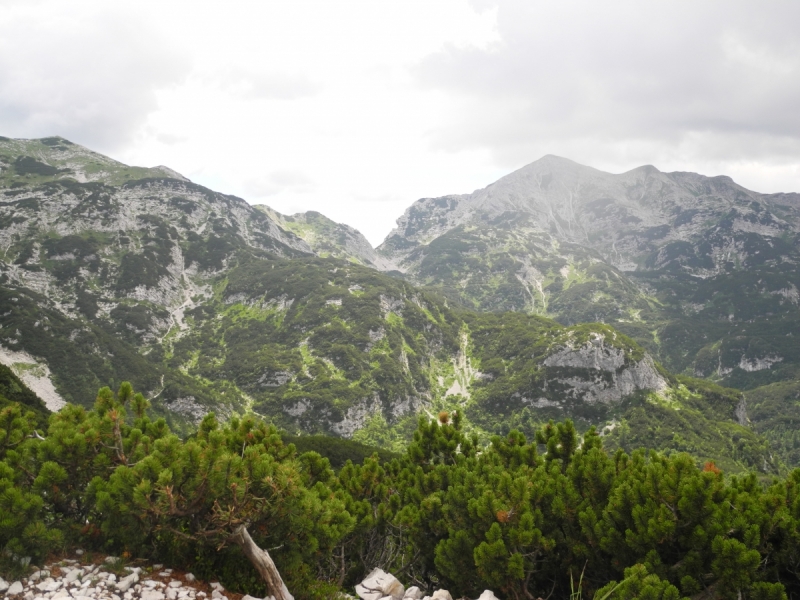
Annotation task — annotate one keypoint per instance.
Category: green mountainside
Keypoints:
(698, 270)
(111, 273)
(328, 238)
(14, 391)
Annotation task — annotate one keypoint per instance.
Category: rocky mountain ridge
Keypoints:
(208, 303)
(633, 220)
(328, 238)
(700, 270)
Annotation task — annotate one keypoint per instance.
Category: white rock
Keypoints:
(72, 576)
(217, 586)
(190, 577)
(487, 595)
(152, 595)
(124, 584)
(115, 597)
(48, 585)
(61, 594)
(78, 552)
(366, 594)
(172, 594)
(217, 595)
(111, 578)
(3, 585)
(413, 593)
(441, 595)
(249, 597)
(175, 583)
(14, 589)
(379, 584)
(29, 595)
(34, 577)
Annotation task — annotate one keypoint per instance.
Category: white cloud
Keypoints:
(676, 84)
(357, 108)
(289, 181)
(89, 75)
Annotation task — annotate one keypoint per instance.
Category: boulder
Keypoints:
(487, 595)
(441, 595)
(380, 584)
(413, 593)
(3, 585)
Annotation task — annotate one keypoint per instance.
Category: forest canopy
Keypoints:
(527, 518)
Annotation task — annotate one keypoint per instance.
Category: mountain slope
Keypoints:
(328, 238)
(206, 303)
(699, 270)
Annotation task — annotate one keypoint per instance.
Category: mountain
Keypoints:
(699, 270)
(328, 238)
(14, 391)
(112, 273)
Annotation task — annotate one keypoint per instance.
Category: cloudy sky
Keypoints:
(358, 108)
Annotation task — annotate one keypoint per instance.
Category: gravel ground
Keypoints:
(71, 579)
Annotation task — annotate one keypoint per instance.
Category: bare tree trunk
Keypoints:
(263, 563)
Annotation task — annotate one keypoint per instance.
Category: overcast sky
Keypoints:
(356, 109)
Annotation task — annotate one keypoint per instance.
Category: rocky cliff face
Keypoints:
(615, 375)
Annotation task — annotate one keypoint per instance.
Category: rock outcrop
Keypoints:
(612, 375)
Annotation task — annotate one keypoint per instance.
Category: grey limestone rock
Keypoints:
(379, 584)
